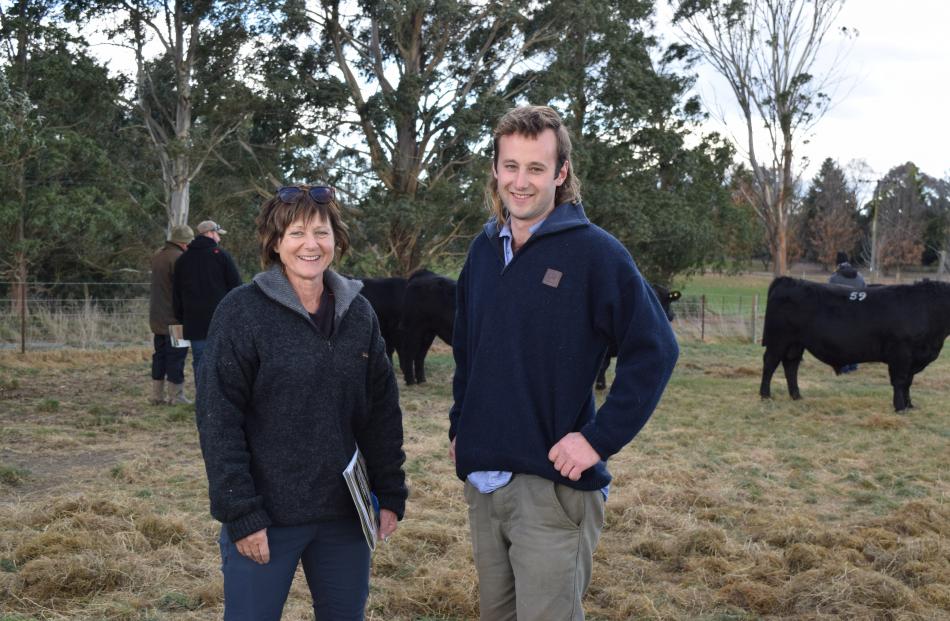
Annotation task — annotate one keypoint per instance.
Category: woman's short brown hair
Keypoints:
(277, 215)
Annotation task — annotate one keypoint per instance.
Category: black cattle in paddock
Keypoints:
(903, 326)
(666, 297)
(386, 295)
(428, 311)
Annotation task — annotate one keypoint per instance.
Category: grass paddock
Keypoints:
(725, 507)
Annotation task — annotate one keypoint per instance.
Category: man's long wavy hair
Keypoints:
(531, 121)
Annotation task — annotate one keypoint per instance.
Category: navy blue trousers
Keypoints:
(335, 560)
(197, 350)
(168, 362)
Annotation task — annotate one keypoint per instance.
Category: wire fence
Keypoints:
(58, 315)
(70, 315)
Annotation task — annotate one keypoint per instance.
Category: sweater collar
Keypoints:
(275, 285)
(201, 242)
(565, 216)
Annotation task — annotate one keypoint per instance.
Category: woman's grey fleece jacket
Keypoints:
(280, 407)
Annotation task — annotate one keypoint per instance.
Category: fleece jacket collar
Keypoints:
(275, 285)
(565, 216)
(201, 243)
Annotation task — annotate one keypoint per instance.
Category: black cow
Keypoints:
(386, 297)
(428, 311)
(666, 297)
(903, 326)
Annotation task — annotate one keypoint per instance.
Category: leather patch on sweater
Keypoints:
(552, 278)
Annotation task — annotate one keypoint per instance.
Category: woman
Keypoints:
(296, 377)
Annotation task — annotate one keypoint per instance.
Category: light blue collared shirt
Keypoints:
(487, 481)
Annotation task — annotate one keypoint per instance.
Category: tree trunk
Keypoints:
(403, 234)
(179, 192)
(780, 253)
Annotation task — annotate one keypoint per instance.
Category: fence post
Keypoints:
(702, 318)
(755, 313)
(22, 316)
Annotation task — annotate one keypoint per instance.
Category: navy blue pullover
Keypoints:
(529, 339)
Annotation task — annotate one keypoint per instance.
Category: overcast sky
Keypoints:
(892, 105)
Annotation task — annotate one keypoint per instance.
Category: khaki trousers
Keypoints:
(533, 542)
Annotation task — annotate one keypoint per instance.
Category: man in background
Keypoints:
(168, 362)
(846, 275)
(203, 275)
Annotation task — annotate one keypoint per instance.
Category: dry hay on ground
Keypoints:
(724, 508)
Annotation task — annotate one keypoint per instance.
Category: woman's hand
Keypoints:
(387, 523)
(254, 547)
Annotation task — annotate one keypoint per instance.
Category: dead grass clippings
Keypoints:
(801, 557)
(847, 591)
(749, 595)
(702, 541)
(49, 581)
(936, 594)
(919, 517)
(161, 530)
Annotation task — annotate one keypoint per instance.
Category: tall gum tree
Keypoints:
(647, 174)
(407, 91)
(185, 34)
(768, 52)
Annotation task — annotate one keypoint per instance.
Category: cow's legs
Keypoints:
(901, 379)
(790, 362)
(406, 351)
(602, 374)
(899, 372)
(419, 361)
(770, 360)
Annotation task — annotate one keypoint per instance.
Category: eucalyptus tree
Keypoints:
(647, 173)
(768, 52)
(188, 59)
(405, 93)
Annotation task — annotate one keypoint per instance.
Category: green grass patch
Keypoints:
(13, 476)
(48, 405)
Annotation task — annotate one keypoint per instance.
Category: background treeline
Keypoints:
(205, 107)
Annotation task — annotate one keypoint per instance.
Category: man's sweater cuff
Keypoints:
(597, 441)
(248, 525)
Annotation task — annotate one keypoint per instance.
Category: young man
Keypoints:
(203, 276)
(542, 294)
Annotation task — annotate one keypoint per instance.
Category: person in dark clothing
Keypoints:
(203, 276)
(168, 362)
(846, 276)
(295, 378)
(542, 294)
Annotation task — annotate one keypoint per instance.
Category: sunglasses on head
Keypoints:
(322, 194)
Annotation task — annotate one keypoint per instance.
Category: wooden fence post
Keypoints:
(22, 316)
(755, 313)
(702, 318)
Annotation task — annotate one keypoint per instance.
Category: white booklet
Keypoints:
(176, 332)
(357, 480)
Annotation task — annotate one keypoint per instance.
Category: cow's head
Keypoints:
(666, 297)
